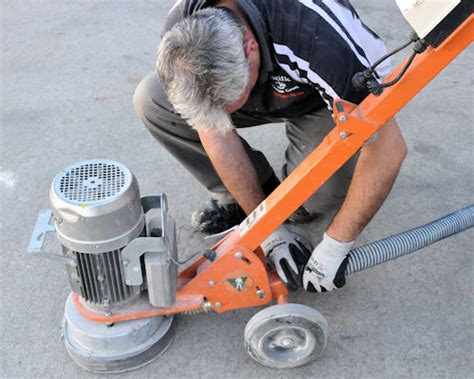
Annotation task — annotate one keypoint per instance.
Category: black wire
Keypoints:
(187, 260)
(399, 76)
(386, 56)
(365, 79)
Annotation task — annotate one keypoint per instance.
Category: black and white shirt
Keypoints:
(310, 49)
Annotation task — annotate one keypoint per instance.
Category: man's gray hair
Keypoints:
(202, 66)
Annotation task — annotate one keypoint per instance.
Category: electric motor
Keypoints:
(119, 250)
(97, 212)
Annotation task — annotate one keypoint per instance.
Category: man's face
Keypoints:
(252, 53)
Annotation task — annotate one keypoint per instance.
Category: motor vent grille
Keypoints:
(92, 181)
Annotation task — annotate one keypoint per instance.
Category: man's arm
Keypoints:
(284, 250)
(374, 175)
(234, 167)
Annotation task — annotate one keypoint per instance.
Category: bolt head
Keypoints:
(342, 118)
(238, 255)
(218, 304)
(108, 314)
(212, 283)
(136, 269)
(261, 293)
(125, 262)
(343, 135)
(287, 342)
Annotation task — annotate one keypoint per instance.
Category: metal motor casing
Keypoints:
(96, 205)
(97, 212)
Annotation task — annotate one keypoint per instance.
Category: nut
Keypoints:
(238, 255)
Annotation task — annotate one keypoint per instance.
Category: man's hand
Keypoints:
(288, 250)
(325, 270)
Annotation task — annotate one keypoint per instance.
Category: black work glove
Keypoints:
(288, 250)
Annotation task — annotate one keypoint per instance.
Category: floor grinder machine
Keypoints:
(121, 257)
(120, 249)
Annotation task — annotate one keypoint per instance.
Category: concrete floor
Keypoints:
(68, 72)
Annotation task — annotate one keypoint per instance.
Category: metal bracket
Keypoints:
(214, 238)
(41, 229)
(131, 254)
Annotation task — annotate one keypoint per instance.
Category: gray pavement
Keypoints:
(68, 72)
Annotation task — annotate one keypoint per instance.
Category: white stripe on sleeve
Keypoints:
(313, 77)
(373, 47)
(309, 4)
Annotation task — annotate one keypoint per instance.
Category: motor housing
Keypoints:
(119, 249)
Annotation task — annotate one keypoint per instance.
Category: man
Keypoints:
(237, 63)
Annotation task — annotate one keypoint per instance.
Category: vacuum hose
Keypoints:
(409, 241)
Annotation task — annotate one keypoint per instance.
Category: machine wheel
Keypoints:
(286, 335)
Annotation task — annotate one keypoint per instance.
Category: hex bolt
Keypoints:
(261, 294)
(342, 118)
(238, 255)
(108, 314)
(212, 283)
(218, 304)
(343, 135)
(125, 262)
(207, 305)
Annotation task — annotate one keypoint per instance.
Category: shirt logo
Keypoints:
(284, 87)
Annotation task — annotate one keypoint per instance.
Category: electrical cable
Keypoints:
(177, 262)
(365, 80)
(399, 76)
(388, 55)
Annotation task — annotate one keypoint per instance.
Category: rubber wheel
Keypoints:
(286, 336)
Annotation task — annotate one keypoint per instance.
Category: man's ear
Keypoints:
(250, 46)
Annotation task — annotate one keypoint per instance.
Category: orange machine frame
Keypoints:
(208, 284)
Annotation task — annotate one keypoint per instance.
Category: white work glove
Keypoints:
(326, 268)
(288, 249)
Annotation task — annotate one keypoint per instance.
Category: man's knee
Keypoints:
(149, 99)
